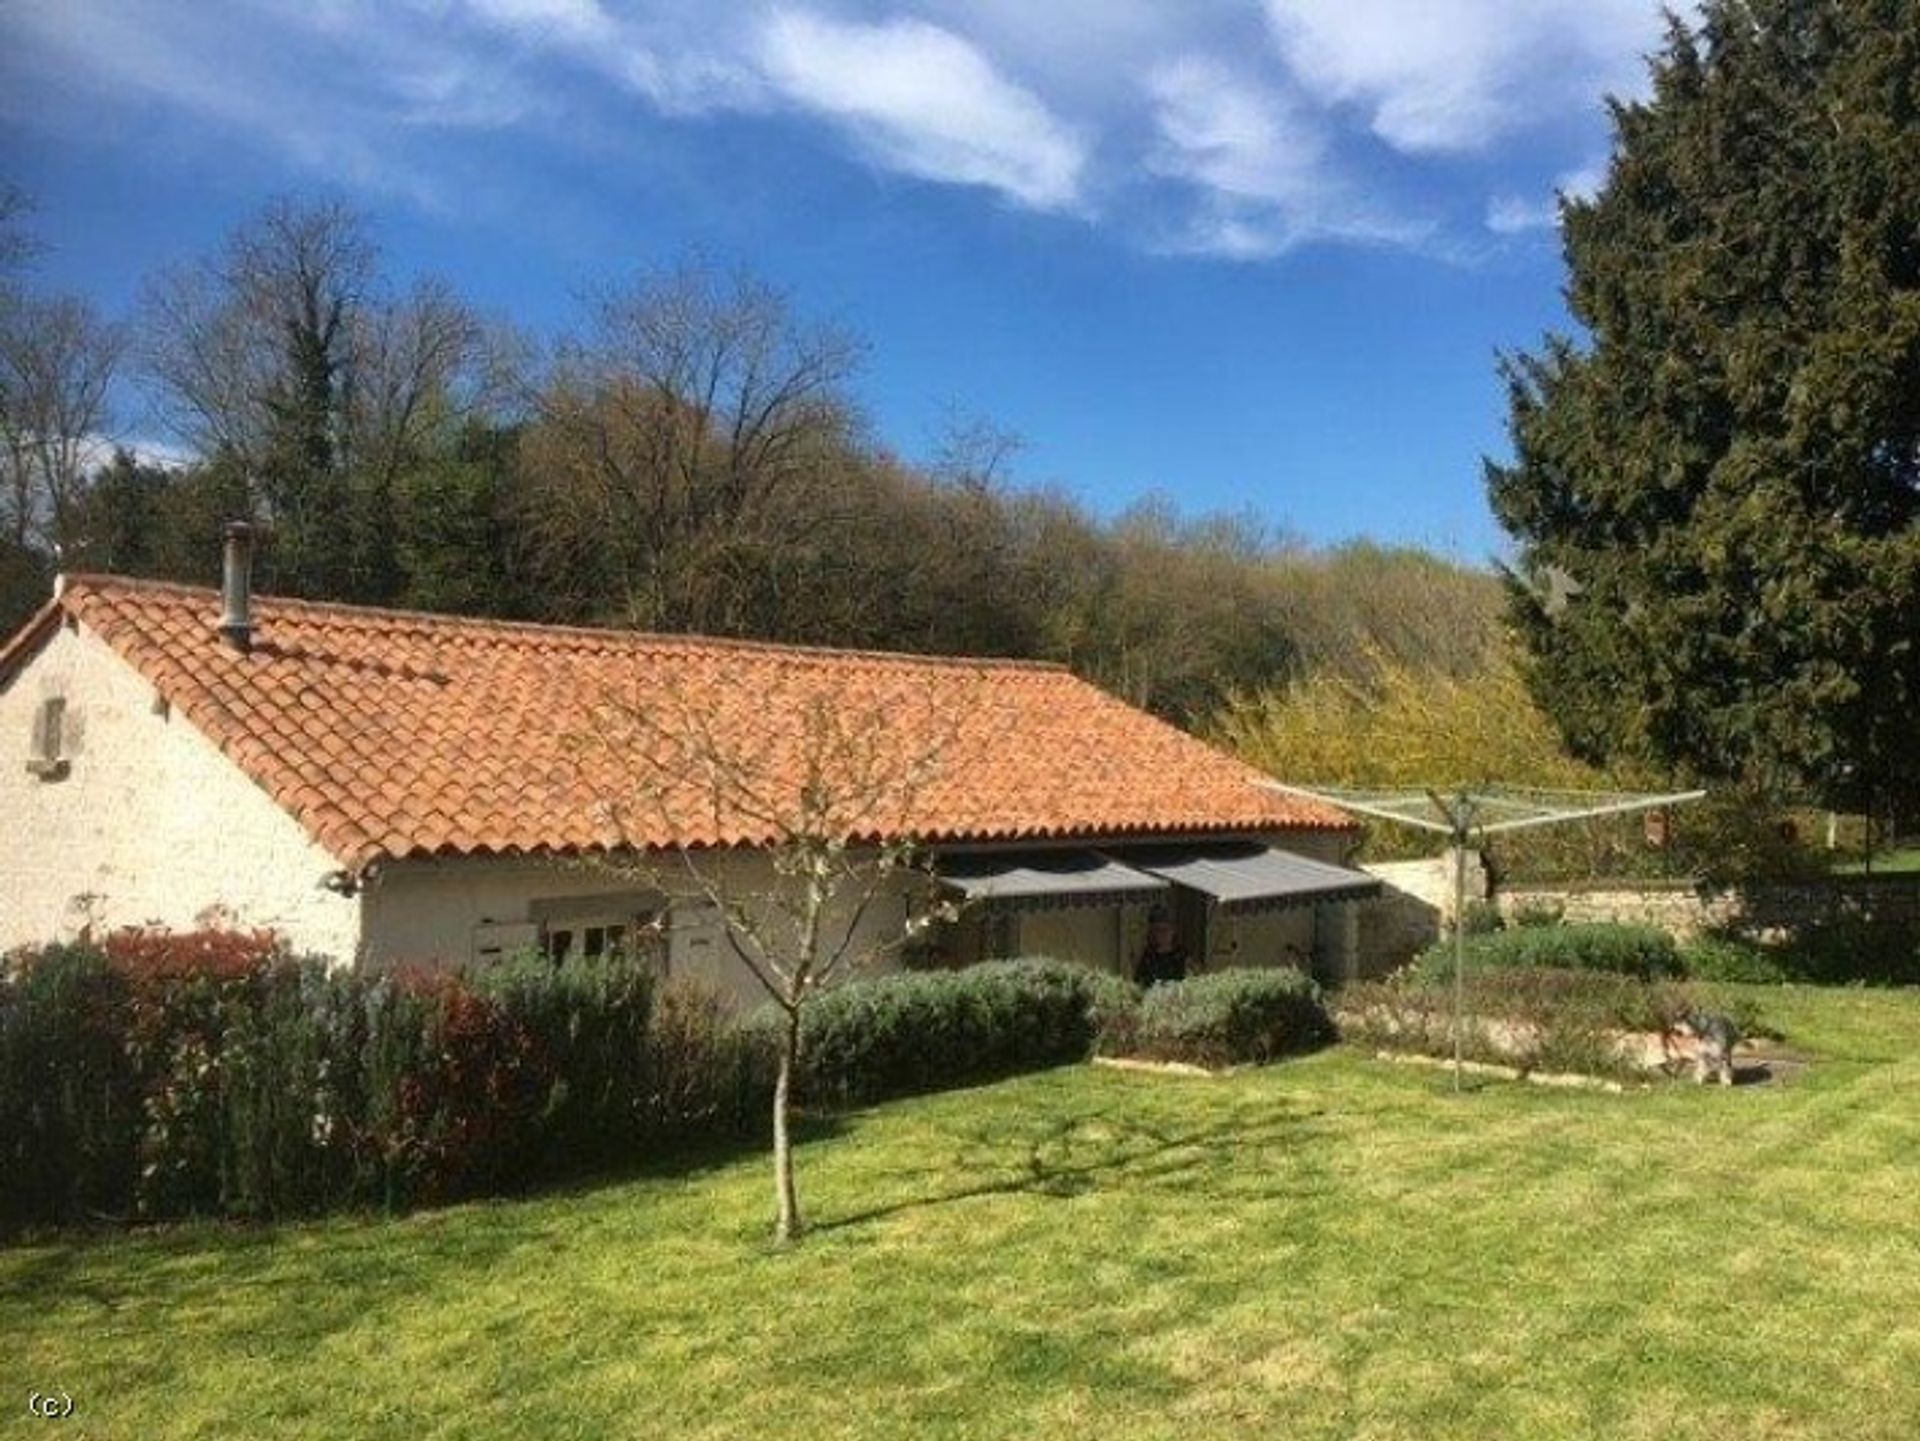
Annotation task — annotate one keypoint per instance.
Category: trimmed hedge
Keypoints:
(69, 1094)
(215, 1074)
(215, 1078)
(1642, 952)
(1854, 950)
(918, 1031)
(1224, 1018)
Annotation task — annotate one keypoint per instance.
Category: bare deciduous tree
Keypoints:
(676, 432)
(820, 789)
(287, 353)
(58, 359)
(16, 244)
(232, 341)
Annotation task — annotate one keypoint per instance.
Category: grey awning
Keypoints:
(1036, 879)
(1246, 876)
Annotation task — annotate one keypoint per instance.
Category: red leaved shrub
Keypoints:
(469, 1111)
(145, 953)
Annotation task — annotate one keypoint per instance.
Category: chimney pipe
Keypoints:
(236, 586)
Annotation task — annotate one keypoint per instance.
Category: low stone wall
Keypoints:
(1415, 906)
(1684, 912)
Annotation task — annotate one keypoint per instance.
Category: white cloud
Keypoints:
(1511, 214)
(1449, 75)
(1259, 161)
(920, 100)
(1239, 128)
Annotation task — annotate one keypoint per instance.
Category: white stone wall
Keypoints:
(150, 825)
(431, 912)
(1414, 905)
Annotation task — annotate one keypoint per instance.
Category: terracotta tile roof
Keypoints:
(393, 734)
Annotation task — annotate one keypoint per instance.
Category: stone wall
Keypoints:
(1414, 905)
(147, 823)
(1764, 910)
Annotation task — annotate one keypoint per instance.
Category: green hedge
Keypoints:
(1855, 950)
(1731, 958)
(1843, 950)
(1643, 952)
(1224, 1018)
(267, 1085)
(900, 1034)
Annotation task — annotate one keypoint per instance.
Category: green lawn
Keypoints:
(1332, 1247)
(1885, 863)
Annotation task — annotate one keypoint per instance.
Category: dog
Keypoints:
(1714, 1037)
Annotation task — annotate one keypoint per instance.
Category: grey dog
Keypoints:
(1714, 1038)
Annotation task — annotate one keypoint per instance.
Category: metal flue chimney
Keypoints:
(236, 586)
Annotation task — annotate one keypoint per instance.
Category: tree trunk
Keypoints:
(787, 1229)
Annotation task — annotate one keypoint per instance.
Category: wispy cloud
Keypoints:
(920, 100)
(1514, 214)
(1259, 162)
(1451, 75)
(1238, 128)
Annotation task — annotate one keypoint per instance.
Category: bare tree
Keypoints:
(676, 432)
(17, 245)
(287, 352)
(58, 359)
(236, 342)
(975, 453)
(823, 789)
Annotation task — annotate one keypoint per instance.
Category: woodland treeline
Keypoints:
(689, 456)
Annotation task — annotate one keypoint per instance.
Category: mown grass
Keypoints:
(1903, 860)
(1330, 1247)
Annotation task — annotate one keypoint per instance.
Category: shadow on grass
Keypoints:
(1074, 1155)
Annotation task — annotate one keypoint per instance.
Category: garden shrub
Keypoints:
(910, 1032)
(1850, 949)
(708, 1076)
(1533, 1018)
(1718, 957)
(1644, 952)
(1837, 951)
(1482, 918)
(149, 953)
(587, 1022)
(1539, 911)
(1226, 1018)
(203, 1075)
(69, 1095)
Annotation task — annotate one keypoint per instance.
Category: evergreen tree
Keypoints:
(1717, 494)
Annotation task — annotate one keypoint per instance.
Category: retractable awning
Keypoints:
(1252, 877)
(1038, 879)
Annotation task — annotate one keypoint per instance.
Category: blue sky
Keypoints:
(1246, 253)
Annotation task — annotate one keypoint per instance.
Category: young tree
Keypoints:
(820, 789)
(1717, 495)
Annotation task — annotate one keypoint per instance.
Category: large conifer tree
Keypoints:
(1716, 490)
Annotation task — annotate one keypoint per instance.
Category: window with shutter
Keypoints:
(48, 759)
